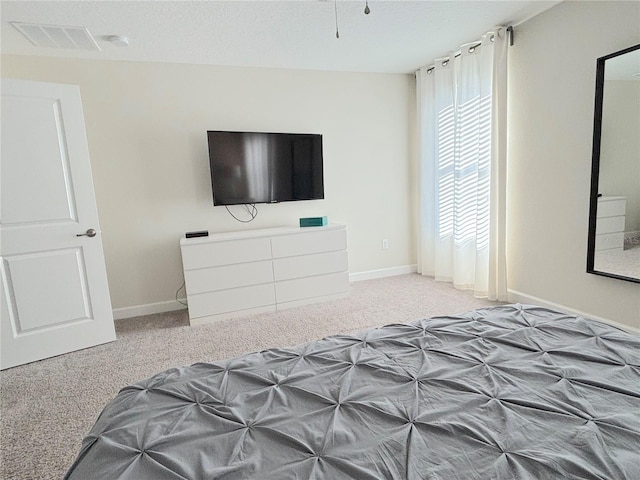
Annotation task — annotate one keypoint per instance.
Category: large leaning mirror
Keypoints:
(614, 217)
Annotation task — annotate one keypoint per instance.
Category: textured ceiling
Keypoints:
(396, 37)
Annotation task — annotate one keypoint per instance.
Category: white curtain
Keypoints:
(462, 132)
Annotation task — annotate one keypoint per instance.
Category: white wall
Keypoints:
(146, 126)
(552, 91)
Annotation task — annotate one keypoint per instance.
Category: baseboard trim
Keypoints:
(514, 296)
(383, 272)
(172, 305)
(148, 309)
(520, 297)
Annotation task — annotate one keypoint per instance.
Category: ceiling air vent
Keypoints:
(57, 36)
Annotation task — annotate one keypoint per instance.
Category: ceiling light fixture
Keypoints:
(367, 11)
(118, 40)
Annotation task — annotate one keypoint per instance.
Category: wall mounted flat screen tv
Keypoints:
(252, 167)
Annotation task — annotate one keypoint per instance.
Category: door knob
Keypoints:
(89, 233)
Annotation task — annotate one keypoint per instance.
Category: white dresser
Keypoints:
(241, 273)
(610, 223)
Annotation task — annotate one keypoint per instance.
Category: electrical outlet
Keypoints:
(385, 244)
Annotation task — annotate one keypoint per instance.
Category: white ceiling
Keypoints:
(396, 37)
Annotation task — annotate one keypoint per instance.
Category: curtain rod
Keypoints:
(474, 45)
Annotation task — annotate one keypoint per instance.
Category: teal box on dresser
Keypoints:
(313, 221)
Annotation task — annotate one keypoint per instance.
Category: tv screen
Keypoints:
(251, 167)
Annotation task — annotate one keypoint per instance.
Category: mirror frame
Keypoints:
(595, 166)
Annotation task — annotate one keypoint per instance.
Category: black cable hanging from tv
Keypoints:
(251, 209)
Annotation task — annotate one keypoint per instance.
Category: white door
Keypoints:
(54, 291)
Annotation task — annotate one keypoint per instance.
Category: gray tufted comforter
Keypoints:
(511, 392)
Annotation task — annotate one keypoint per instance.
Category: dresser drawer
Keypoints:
(610, 225)
(236, 299)
(610, 241)
(301, 288)
(212, 254)
(610, 207)
(309, 265)
(228, 276)
(316, 241)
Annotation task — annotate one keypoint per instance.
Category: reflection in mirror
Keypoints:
(614, 223)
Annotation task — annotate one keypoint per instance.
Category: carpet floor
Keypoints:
(47, 407)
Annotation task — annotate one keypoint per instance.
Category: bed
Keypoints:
(508, 392)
